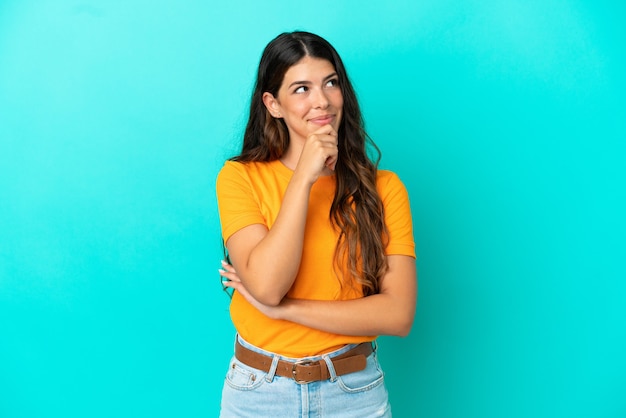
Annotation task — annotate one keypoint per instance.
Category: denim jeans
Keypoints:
(249, 392)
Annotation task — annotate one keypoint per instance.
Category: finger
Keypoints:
(331, 162)
(232, 285)
(229, 276)
(331, 155)
(228, 267)
(239, 287)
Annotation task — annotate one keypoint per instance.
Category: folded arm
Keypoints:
(389, 312)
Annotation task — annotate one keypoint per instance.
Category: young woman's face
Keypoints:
(308, 98)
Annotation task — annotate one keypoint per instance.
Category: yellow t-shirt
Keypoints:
(251, 193)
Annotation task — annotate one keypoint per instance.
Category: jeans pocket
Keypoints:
(364, 380)
(242, 377)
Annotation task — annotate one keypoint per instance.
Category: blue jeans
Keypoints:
(249, 392)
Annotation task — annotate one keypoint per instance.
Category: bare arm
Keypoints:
(267, 261)
(390, 312)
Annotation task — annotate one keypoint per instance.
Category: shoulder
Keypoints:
(248, 173)
(233, 174)
(391, 189)
(232, 167)
(249, 167)
(235, 170)
(386, 180)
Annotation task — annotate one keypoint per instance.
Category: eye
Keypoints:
(332, 83)
(301, 89)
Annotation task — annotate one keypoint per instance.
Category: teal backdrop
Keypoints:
(505, 119)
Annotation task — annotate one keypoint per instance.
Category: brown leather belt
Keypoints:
(306, 371)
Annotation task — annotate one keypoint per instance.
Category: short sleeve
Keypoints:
(237, 203)
(397, 214)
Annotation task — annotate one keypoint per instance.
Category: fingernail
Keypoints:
(221, 271)
(223, 262)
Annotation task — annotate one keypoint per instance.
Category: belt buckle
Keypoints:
(294, 372)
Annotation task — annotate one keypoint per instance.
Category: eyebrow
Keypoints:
(297, 83)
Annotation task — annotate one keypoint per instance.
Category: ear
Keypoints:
(272, 105)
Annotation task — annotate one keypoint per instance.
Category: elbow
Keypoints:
(270, 301)
(267, 298)
(403, 332)
(268, 294)
(399, 321)
(403, 326)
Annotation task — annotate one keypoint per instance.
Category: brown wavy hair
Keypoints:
(357, 210)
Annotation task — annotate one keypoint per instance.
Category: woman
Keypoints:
(322, 258)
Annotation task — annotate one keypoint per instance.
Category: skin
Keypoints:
(265, 262)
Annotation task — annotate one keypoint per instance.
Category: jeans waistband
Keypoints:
(349, 359)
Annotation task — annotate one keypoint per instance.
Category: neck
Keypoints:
(291, 157)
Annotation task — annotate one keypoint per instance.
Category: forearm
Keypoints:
(373, 315)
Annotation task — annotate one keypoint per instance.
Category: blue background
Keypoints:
(505, 119)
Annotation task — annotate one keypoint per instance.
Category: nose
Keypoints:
(320, 101)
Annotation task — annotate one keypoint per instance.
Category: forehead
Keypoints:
(308, 69)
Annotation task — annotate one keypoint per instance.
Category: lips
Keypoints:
(322, 120)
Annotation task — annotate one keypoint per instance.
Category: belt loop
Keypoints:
(331, 368)
(272, 371)
(375, 345)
